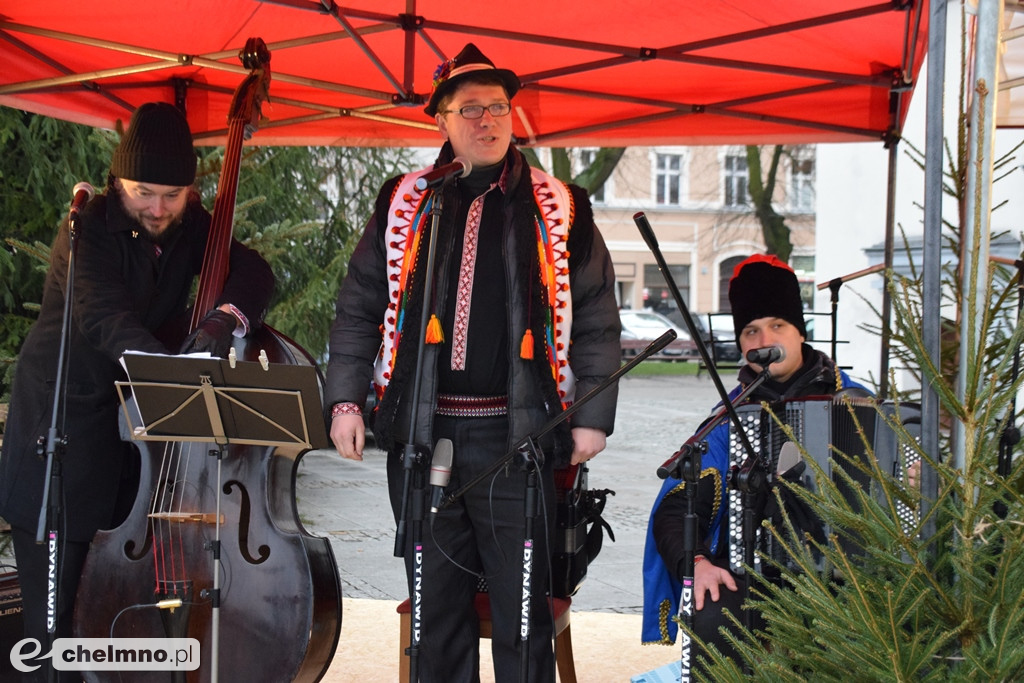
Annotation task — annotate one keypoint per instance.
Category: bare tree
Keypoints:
(592, 177)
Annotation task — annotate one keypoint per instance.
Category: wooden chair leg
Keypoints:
(403, 644)
(563, 656)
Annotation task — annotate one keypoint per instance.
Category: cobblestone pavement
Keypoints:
(347, 501)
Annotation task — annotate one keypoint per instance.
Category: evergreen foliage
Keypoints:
(41, 159)
(303, 208)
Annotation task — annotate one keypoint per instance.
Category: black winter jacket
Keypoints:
(125, 298)
(595, 353)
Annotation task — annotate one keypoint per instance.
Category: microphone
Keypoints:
(440, 472)
(81, 194)
(767, 355)
(459, 168)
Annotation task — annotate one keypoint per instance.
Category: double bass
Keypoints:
(263, 600)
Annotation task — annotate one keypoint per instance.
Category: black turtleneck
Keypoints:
(487, 350)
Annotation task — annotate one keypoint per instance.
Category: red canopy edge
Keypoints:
(594, 73)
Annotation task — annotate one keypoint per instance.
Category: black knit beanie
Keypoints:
(762, 286)
(156, 148)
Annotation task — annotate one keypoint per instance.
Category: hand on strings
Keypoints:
(708, 577)
(214, 334)
(586, 443)
(349, 435)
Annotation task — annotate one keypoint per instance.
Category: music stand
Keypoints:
(206, 399)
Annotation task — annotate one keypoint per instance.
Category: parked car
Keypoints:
(715, 330)
(640, 328)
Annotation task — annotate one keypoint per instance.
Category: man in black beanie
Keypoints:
(139, 246)
(767, 311)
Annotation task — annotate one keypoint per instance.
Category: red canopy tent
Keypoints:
(595, 73)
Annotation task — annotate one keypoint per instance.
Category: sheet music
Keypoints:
(199, 397)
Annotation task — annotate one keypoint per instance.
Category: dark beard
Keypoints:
(168, 235)
(115, 190)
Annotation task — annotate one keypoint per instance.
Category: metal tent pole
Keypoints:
(978, 204)
(932, 243)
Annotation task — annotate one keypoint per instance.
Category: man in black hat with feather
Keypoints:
(522, 320)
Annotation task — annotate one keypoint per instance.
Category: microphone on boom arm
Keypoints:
(458, 168)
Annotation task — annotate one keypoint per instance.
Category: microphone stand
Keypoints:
(648, 234)
(751, 475)
(685, 464)
(533, 460)
(651, 349)
(833, 286)
(413, 457)
(53, 446)
(533, 456)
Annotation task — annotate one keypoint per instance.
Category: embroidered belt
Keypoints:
(453, 405)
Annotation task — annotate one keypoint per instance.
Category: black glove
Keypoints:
(214, 334)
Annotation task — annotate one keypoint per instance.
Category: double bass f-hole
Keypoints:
(243, 525)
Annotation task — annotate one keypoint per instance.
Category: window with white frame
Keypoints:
(801, 180)
(668, 179)
(736, 177)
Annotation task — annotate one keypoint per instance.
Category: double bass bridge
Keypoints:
(187, 517)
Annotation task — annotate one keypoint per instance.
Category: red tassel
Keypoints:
(526, 347)
(434, 333)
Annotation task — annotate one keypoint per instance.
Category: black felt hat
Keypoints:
(762, 286)
(456, 70)
(156, 148)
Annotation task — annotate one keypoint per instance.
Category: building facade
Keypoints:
(697, 202)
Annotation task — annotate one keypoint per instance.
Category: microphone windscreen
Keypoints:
(467, 167)
(89, 190)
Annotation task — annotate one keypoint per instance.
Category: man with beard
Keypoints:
(139, 246)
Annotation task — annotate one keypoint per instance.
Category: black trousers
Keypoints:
(481, 535)
(709, 622)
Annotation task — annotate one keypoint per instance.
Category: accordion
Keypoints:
(824, 427)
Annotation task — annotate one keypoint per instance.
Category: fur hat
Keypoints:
(762, 286)
(156, 148)
(449, 74)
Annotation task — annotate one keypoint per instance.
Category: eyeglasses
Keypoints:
(476, 111)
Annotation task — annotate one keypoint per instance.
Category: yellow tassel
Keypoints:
(434, 333)
(526, 347)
